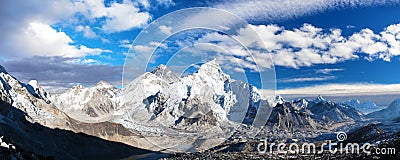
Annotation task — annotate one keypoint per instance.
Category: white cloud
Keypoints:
(286, 9)
(166, 30)
(329, 70)
(344, 89)
(124, 16)
(144, 3)
(142, 49)
(119, 16)
(309, 45)
(42, 40)
(240, 70)
(92, 51)
(308, 79)
(391, 35)
(89, 61)
(158, 44)
(125, 43)
(27, 25)
(166, 3)
(61, 72)
(305, 46)
(104, 40)
(87, 31)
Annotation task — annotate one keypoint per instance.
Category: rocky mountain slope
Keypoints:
(89, 104)
(365, 107)
(389, 113)
(204, 104)
(199, 102)
(331, 112)
(35, 125)
(29, 98)
(310, 115)
(160, 105)
(174, 99)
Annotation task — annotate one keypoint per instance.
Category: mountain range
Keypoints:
(161, 111)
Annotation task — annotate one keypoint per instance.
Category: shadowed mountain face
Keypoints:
(61, 144)
(392, 112)
(367, 133)
(286, 117)
(310, 115)
(333, 112)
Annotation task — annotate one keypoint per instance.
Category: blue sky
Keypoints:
(313, 43)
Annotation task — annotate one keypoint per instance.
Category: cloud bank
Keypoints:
(271, 10)
(308, 79)
(308, 45)
(344, 89)
(32, 27)
(60, 73)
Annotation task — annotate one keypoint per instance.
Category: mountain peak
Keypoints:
(300, 102)
(279, 99)
(35, 89)
(77, 87)
(212, 63)
(34, 83)
(395, 105)
(162, 66)
(354, 101)
(319, 99)
(160, 69)
(397, 101)
(103, 84)
(2, 69)
(163, 72)
(391, 112)
(210, 67)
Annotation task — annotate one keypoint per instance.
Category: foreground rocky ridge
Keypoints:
(370, 133)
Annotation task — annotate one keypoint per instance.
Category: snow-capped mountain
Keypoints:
(30, 98)
(89, 104)
(331, 112)
(390, 113)
(278, 100)
(35, 89)
(35, 124)
(300, 103)
(365, 108)
(319, 99)
(206, 102)
(159, 100)
(166, 74)
(324, 110)
(162, 97)
(311, 115)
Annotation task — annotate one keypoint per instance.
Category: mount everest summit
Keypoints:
(160, 110)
